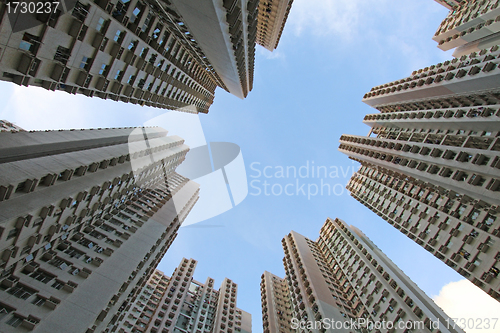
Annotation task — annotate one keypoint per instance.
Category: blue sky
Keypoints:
(306, 94)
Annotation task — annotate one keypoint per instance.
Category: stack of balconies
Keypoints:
(435, 82)
(468, 22)
(451, 227)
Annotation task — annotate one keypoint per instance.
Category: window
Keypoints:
(117, 36)
(152, 59)
(21, 291)
(38, 301)
(163, 38)
(133, 45)
(58, 284)
(489, 220)
(147, 22)
(461, 209)
(119, 75)
(100, 24)
(474, 214)
(29, 43)
(169, 44)
(104, 69)
(135, 14)
(62, 54)
(59, 263)
(86, 62)
(4, 310)
(72, 252)
(15, 321)
(42, 276)
(156, 32)
(13, 233)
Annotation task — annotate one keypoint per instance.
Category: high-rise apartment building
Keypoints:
(149, 52)
(382, 289)
(431, 162)
(181, 304)
(85, 217)
(276, 305)
(342, 282)
(7, 126)
(271, 22)
(226, 31)
(470, 26)
(450, 4)
(313, 290)
(137, 315)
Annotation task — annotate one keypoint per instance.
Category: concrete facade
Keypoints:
(450, 3)
(343, 278)
(142, 52)
(7, 126)
(314, 290)
(469, 27)
(378, 285)
(443, 83)
(458, 230)
(181, 304)
(276, 305)
(85, 217)
(226, 32)
(271, 22)
(431, 162)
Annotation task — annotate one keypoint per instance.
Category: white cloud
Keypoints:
(327, 17)
(35, 108)
(382, 28)
(463, 299)
(185, 125)
(270, 55)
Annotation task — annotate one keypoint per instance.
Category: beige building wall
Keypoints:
(271, 22)
(314, 291)
(181, 304)
(276, 306)
(137, 316)
(226, 31)
(448, 83)
(246, 321)
(469, 27)
(7, 126)
(450, 3)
